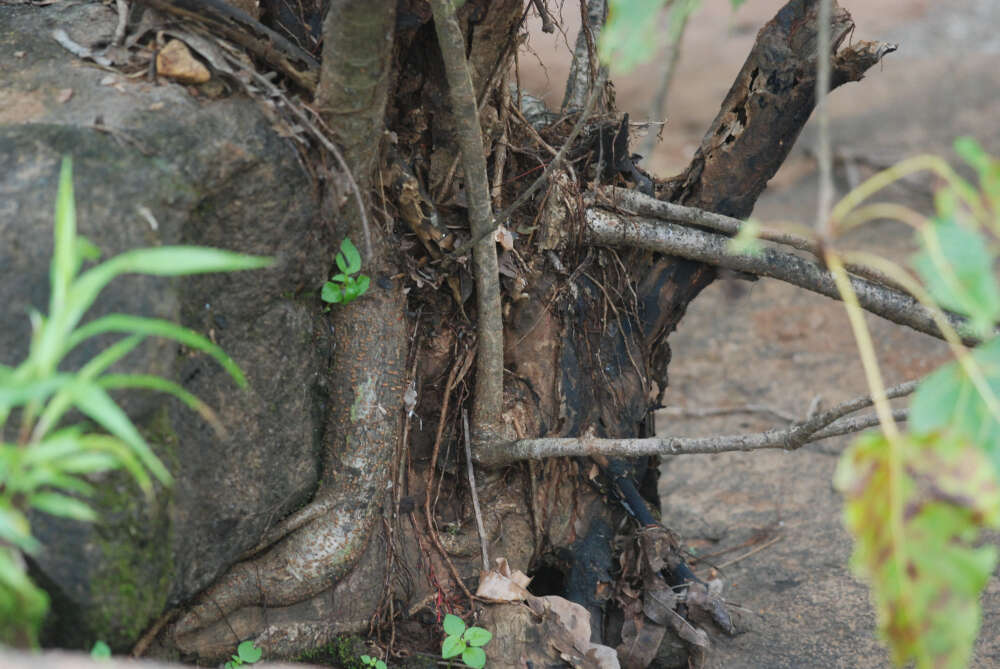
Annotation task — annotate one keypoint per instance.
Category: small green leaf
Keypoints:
(339, 278)
(332, 293)
(629, 36)
(947, 400)
(367, 659)
(957, 267)
(380, 665)
(351, 254)
(63, 506)
(100, 651)
(85, 250)
(341, 263)
(363, 282)
(249, 652)
(474, 657)
(452, 646)
(453, 625)
(351, 290)
(477, 636)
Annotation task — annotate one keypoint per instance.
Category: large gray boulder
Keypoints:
(210, 172)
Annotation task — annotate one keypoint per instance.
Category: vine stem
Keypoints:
(876, 386)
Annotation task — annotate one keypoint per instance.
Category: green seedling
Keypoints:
(246, 653)
(464, 641)
(370, 661)
(100, 651)
(344, 287)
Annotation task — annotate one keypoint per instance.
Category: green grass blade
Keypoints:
(157, 383)
(159, 328)
(14, 528)
(64, 250)
(62, 505)
(17, 393)
(159, 261)
(121, 451)
(63, 400)
(92, 400)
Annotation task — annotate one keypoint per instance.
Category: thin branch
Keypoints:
(489, 359)
(475, 494)
(680, 12)
(640, 203)
(711, 412)
(593, 14)
(826, 424)
(823, 153)
(610, 229)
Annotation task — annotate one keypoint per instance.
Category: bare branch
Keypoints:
(593, 14)
(677, 213)
(489, 358)
(475, 494)
(680, 12)
(829, 423)
(823, 153)
(612, 229)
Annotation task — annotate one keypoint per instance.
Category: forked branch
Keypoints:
(833, 422)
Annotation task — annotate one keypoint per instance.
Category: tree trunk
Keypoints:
(584, 332)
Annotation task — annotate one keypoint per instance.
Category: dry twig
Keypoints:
(824, 424)
(474, 493)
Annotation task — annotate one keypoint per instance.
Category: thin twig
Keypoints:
(711, 412)
(823, 153)
(825, 424)
(682, 10)
(752, 551)
(475, 495)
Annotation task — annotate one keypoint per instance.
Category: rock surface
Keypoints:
(157, 164)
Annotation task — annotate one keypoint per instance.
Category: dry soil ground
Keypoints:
(780, 347)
